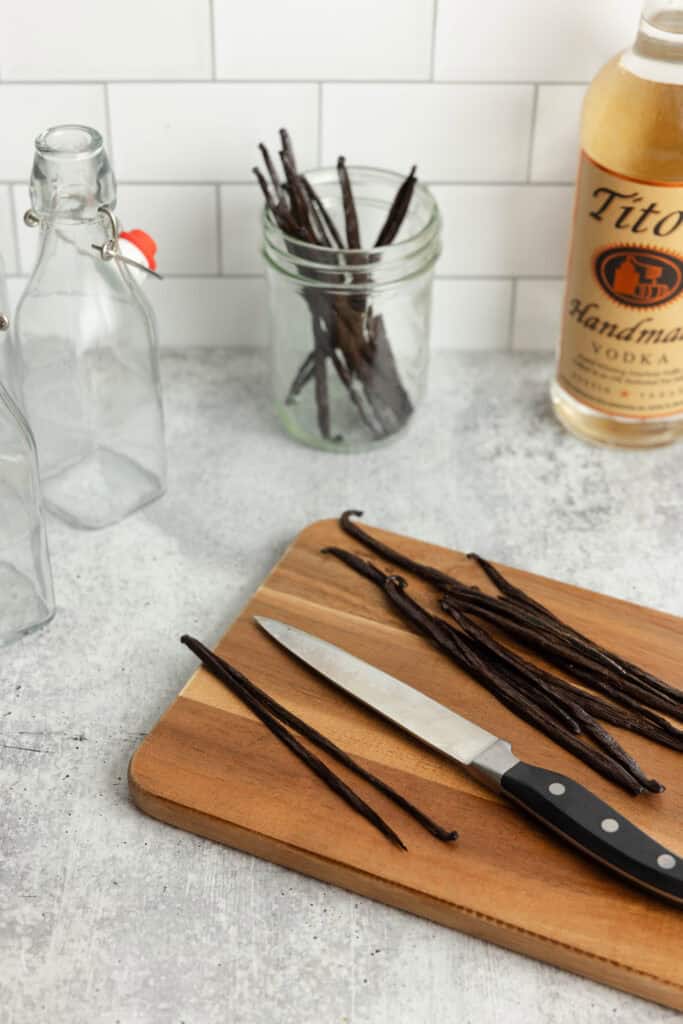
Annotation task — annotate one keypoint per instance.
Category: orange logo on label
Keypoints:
(635, 276)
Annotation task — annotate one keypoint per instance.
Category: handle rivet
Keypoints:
(557, 789)
(609, 825)
(666, 861)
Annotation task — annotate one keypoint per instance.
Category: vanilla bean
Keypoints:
(296, 197)
(280, 214)
(213, 660)
(426, 572)
(566, 694)
(266, 191)
(350, 215)
(566, 657)
(506, 587)
(345, 330)
(302, 377)
(609, 659)
(398, 210)
(457, 647)
(226, 674)
(527, 625)
(319, 226)
(321, 389)
(632, 717)
(319, 206)
(347, 380)
(270, 167)
(385, 376)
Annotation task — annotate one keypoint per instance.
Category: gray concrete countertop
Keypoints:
(109, 916)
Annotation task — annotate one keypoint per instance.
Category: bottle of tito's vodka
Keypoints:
(620, 366)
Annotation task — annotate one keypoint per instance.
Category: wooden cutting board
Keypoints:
(210, 767)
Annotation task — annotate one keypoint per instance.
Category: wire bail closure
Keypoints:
(110, 249)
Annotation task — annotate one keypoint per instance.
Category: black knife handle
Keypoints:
(595, 827)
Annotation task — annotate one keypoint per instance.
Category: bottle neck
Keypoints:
(71, 176)
(79, 233)
(660, 34)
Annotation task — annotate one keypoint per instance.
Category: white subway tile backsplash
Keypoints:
(351, 39)
(7, 248)
(25, 110)
(504, 230)
(207, 132)
(182, 220)
(453, 132)
(79, 39)
(556, 135)
(531, 40)
(486, 101)
(241, 207)
(214, 311)
(538, 312)
(471, 314)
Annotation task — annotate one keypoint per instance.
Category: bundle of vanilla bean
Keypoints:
(611, 690)
(347, 335)
(282, 723)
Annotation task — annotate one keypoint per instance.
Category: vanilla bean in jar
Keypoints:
(350, 255)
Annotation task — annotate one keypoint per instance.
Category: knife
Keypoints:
(565, 806)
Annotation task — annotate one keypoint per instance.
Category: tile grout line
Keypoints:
(432, 62)
(241, 182)
(320, 123)
(532, 133)
(513, 313)
(219, 232)
(108, 122)
(419, 82)
(255, 276)
(212, 37)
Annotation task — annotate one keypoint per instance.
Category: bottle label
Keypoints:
(621, 350)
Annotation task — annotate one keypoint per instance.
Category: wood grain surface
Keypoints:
(211, 768)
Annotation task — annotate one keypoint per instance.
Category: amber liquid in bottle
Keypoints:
(633, 127)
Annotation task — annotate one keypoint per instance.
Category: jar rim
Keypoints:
(415, 241)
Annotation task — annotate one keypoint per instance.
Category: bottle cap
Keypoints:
(144, 243)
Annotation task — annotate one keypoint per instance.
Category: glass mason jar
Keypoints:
(87, 359)
(350, 327)
(26, 597)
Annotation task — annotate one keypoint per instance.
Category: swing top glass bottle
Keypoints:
(26, 596)
(86, 353)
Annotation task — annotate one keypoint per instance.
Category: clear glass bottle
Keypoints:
(620, 367)
(350, 327)
(87, 360)
(26, 596)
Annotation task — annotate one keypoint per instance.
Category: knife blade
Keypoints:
(565, 806)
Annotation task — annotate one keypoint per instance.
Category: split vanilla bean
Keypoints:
(270, 711)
